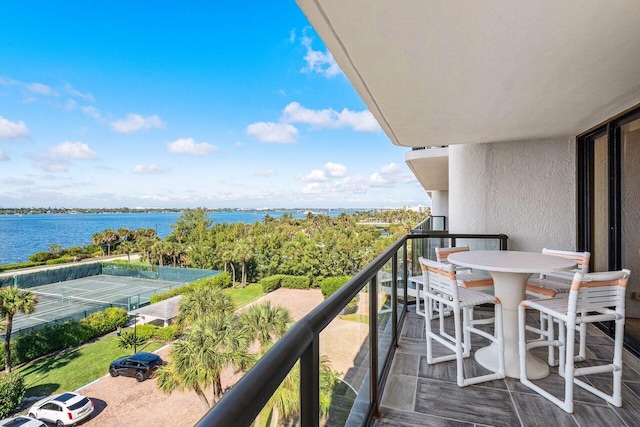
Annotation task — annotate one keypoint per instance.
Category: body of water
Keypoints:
(24, 235)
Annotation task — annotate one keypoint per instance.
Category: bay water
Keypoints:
(24, 235)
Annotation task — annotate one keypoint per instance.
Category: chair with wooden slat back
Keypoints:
(441, 288)
(594, 297)
(560, 283)
(465, 276)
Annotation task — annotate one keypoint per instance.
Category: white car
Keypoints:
(21, 421)
(62, 409)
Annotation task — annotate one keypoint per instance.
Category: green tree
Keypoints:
(243, 253)
(204, 301)
(127, 247)
(266, 323)
(129, 339)
(14, 300)
(284, 404)
(197, 361)
(98, 240)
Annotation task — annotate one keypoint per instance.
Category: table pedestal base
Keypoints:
(487, 357)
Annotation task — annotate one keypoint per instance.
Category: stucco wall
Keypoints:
(525, 190)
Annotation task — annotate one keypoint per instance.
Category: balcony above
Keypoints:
(442, 72)
(431, 167)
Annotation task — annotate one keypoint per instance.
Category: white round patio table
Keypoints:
(510, 271)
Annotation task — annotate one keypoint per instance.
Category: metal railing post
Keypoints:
(373, 354)
(394, 298)
(310, 385)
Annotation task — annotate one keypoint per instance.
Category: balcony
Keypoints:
(370, 326)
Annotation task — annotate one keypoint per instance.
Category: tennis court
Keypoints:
(72, 298)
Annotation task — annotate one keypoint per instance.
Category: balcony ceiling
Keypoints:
(456, 72)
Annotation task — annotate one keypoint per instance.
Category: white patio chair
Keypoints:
(442, 288)
(560, 282)
(595, 297)
(465, 276)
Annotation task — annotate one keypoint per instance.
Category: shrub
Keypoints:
(331, 284)
(17, 265)
(296, 282)
(166, 334)
(42, 256)
(271, 283)
(102, 322)
(145, 331)
(11, 392)
(221, 281)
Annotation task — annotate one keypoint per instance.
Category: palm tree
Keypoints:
(110, 238)
(98, 240)
(197, 361)
(14, 300)
(205, 301)
(244, 254)
(127, 247)
(285, 402)
(266, 323)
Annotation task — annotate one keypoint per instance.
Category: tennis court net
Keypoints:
(122, 302)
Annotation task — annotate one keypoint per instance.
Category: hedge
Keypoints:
(27, 347)
(11, 392)
(271, 283)
(331, 284)
(148, 332)
(223, 280)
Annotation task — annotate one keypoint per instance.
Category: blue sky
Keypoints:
(184, 104)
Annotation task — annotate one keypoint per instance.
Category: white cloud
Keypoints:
(266, 173)
(319, 62)
(3, 157)
(149, 170)
(52, 166)
(296, 113)
(92, 112)
(156, 198)
(281, 133)
(312, 188)
(70, 105)
(361, 121)
(389, 176)
(12, 130)
(335, 170)
(71, 151)
(315, 175)
(18, 181)
(189, 146)
(136, 122)
(86, 96)
(40, 89)
(390, 169)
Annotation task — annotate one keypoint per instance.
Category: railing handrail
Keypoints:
(257, 386)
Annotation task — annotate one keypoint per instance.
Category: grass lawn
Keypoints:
(71, 370)
(243, 296)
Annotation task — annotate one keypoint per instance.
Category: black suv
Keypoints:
(141, 366)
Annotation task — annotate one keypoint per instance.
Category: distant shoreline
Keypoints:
(53, 211)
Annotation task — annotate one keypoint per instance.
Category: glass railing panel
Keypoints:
(479, 244)
(384, 313)
(283, 408)
(344, 364)
(402, 298)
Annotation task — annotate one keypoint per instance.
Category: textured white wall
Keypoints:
(440, 203)
(525, 190)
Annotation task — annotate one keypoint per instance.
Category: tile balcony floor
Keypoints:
(418, 394)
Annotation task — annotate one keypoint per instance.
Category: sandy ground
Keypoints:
(122, 401)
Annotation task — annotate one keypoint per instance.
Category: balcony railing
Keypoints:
(357, 327)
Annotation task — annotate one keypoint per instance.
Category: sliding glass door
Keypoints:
(609, 199)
